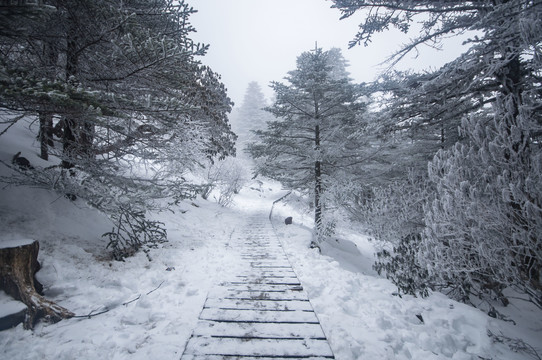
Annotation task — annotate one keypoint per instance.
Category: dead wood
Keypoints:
(18, 266)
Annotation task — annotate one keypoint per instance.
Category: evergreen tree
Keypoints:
(313, 137)
(251, 115)
(482, 226)
(132, 107)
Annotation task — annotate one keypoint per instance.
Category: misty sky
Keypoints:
(259, 40)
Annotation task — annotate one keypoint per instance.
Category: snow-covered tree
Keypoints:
(247, 118)
(483, 226)
(318, 115)
(251, 115)
(133, 109)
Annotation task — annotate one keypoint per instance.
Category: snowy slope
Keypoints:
(365, 319)
(151, 307)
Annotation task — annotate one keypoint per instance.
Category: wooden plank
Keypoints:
(268, 272)
(301, 348)
(267, 281)
(259, 316)
(277, 250)
(262, 252)
(270, 266)
(258, 304)
(250, 278)
(261, 246)
(246, 357)
(267, 256)
(271, 281)
(278, 295)
(271, 263)
(264, 271)
(259, 330)
(265, 296)
(256, 287)
(256, 273)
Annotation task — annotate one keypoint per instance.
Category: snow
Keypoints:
(362, 317)
(151, 307)
(15, 243)
(9, 306)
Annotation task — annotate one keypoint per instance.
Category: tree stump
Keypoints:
(18, 266)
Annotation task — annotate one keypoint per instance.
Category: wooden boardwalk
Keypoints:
(263, 313)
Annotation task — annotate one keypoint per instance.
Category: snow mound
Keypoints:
(9, 306)
(7, 244)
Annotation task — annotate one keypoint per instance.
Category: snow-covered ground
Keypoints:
(363, 319)
(152, 306)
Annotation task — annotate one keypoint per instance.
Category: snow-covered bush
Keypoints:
(484, 228)
(401, 266)
(133, 231)
(124, 198)
(394, 216)
(228, 177)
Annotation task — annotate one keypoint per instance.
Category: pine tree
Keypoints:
(482, 229)
(251, 114)
(133, 107)
(312, 139)
(249, 117)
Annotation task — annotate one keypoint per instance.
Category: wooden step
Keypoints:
(274, 348)
(261, 330)
(261, 313)
(258, 304)
(259, 316)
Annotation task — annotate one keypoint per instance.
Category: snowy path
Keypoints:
(263, 311)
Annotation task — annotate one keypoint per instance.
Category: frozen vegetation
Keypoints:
(146, 306)
(416, 199)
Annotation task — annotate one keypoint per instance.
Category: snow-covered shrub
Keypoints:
(484, 228)
(401, 266)
(228, 176)
(394, 217)
(125, 200)
(132, 231)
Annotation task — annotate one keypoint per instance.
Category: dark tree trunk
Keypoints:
(317, 189)
(45, 134)
(87, 139)
(69, 143)
(19, 265)
(46, 117)
(317, 195)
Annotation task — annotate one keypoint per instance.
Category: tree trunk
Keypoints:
(317, 202)
(68, 144)
(317, 190)
(19, 264)
(45, 134)
(46, 117)
(69, 148)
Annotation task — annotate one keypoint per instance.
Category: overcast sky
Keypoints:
(259, 40)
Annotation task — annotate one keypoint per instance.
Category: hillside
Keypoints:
(150, 302)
